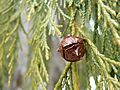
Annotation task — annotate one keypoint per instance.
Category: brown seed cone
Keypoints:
(72, 48)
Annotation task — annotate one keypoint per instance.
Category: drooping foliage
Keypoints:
(59, 18)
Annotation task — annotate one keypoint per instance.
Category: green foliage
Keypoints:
(48, 18)
(8, 40)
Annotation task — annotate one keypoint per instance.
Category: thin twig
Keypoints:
(67, 67)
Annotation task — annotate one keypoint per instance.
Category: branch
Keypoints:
(112, 23)
(95, 50)
(75, 76)
(62, 13)
(67, 67)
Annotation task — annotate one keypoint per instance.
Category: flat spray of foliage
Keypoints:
(73, 16)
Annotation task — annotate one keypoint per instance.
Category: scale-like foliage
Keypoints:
(62, 17)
